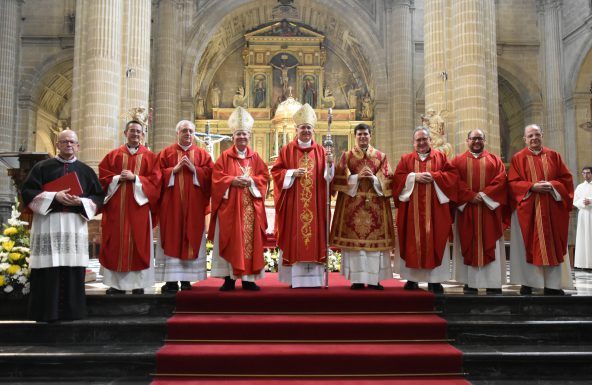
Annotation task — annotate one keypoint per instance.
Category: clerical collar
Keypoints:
(423, 156)
(241, 154)
(62, 160)
(476, 154)
(304, 144)
(132, 150)
(534, 151)
(364, 150)
(185, 148)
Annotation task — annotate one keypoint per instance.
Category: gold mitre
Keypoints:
(139, 114)
(240, 120)
(305, 115)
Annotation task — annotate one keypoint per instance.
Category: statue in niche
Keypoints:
(239, 99)
(328, 98)
(284, 76)
(309, 92)
(436, 125)
(259, 92)
(352, 96)
(215, 96)
(200, 110)
(367, 107)
(323, 57)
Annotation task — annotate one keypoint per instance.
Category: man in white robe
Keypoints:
(583, 201)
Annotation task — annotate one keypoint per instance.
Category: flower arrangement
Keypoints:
(14, 256)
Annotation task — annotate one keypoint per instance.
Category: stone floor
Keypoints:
(582, 280)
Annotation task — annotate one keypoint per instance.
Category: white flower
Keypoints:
(26, 290)
(22, 279)
(8, 289)
(4, 266)
(4, 238)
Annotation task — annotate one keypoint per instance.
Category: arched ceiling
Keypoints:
(212, 42)
(55, 88)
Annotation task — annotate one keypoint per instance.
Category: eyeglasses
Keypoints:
(586, 172)
(67, 142)
(477, 139)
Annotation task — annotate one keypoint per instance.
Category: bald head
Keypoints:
(67, 144)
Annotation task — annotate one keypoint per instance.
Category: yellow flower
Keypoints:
(13, 257)
(10, 231)
(2, 281)
(8, 245)
(13, 269)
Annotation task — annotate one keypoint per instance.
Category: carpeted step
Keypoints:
(276, 297)
(309, 359)
(299, 327)
(442, 380)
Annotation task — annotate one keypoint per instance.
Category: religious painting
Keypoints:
(259, 91)
(309, 90)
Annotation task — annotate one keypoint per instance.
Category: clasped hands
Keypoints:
(542, 187)
(366, 172)
(241, 181)
(184, 162)
(126, 175)
(424, 177)
(66, 199)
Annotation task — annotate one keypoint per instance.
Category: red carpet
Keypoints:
(283, 335)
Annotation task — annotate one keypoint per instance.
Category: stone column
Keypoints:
(9, 56)
(550, 55)
(471, 46)
(99, 82)
(491, 74)
(167, 76)
(135, 56)
(435, 66)
(400, 78)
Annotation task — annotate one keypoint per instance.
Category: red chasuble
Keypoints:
(242, 216)
(543, 220)
(126, 232)
(365, 221)
(183, 206)
(423, 223)
(301, 209)
(479, 228)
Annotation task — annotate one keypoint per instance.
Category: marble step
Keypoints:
(554, 363)
(80, 362)
(473, 330)
(93, 330)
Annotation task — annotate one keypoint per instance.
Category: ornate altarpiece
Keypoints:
(280, 60)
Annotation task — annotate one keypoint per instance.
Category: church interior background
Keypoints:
(394, 64)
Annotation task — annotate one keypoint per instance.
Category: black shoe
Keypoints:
(228, 285)
(138, 291)
(112, 290)
(470, 290)
(548, 291)
(357, 286)
(411, 285)
(376, 287)
(169, 287)
(493, 291)
(435, 288)
(525, 290)
(251, 286)
(185, 285)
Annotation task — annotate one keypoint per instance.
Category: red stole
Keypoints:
(423, 223)
(479, 228)
(241, 217)
(126, 233)
(301, 209)
(543, 220)
(184, 205)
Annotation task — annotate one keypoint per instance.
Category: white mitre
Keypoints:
(305, 115)
(240, 120)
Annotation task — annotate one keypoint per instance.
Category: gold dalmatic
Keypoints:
(306, 215)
